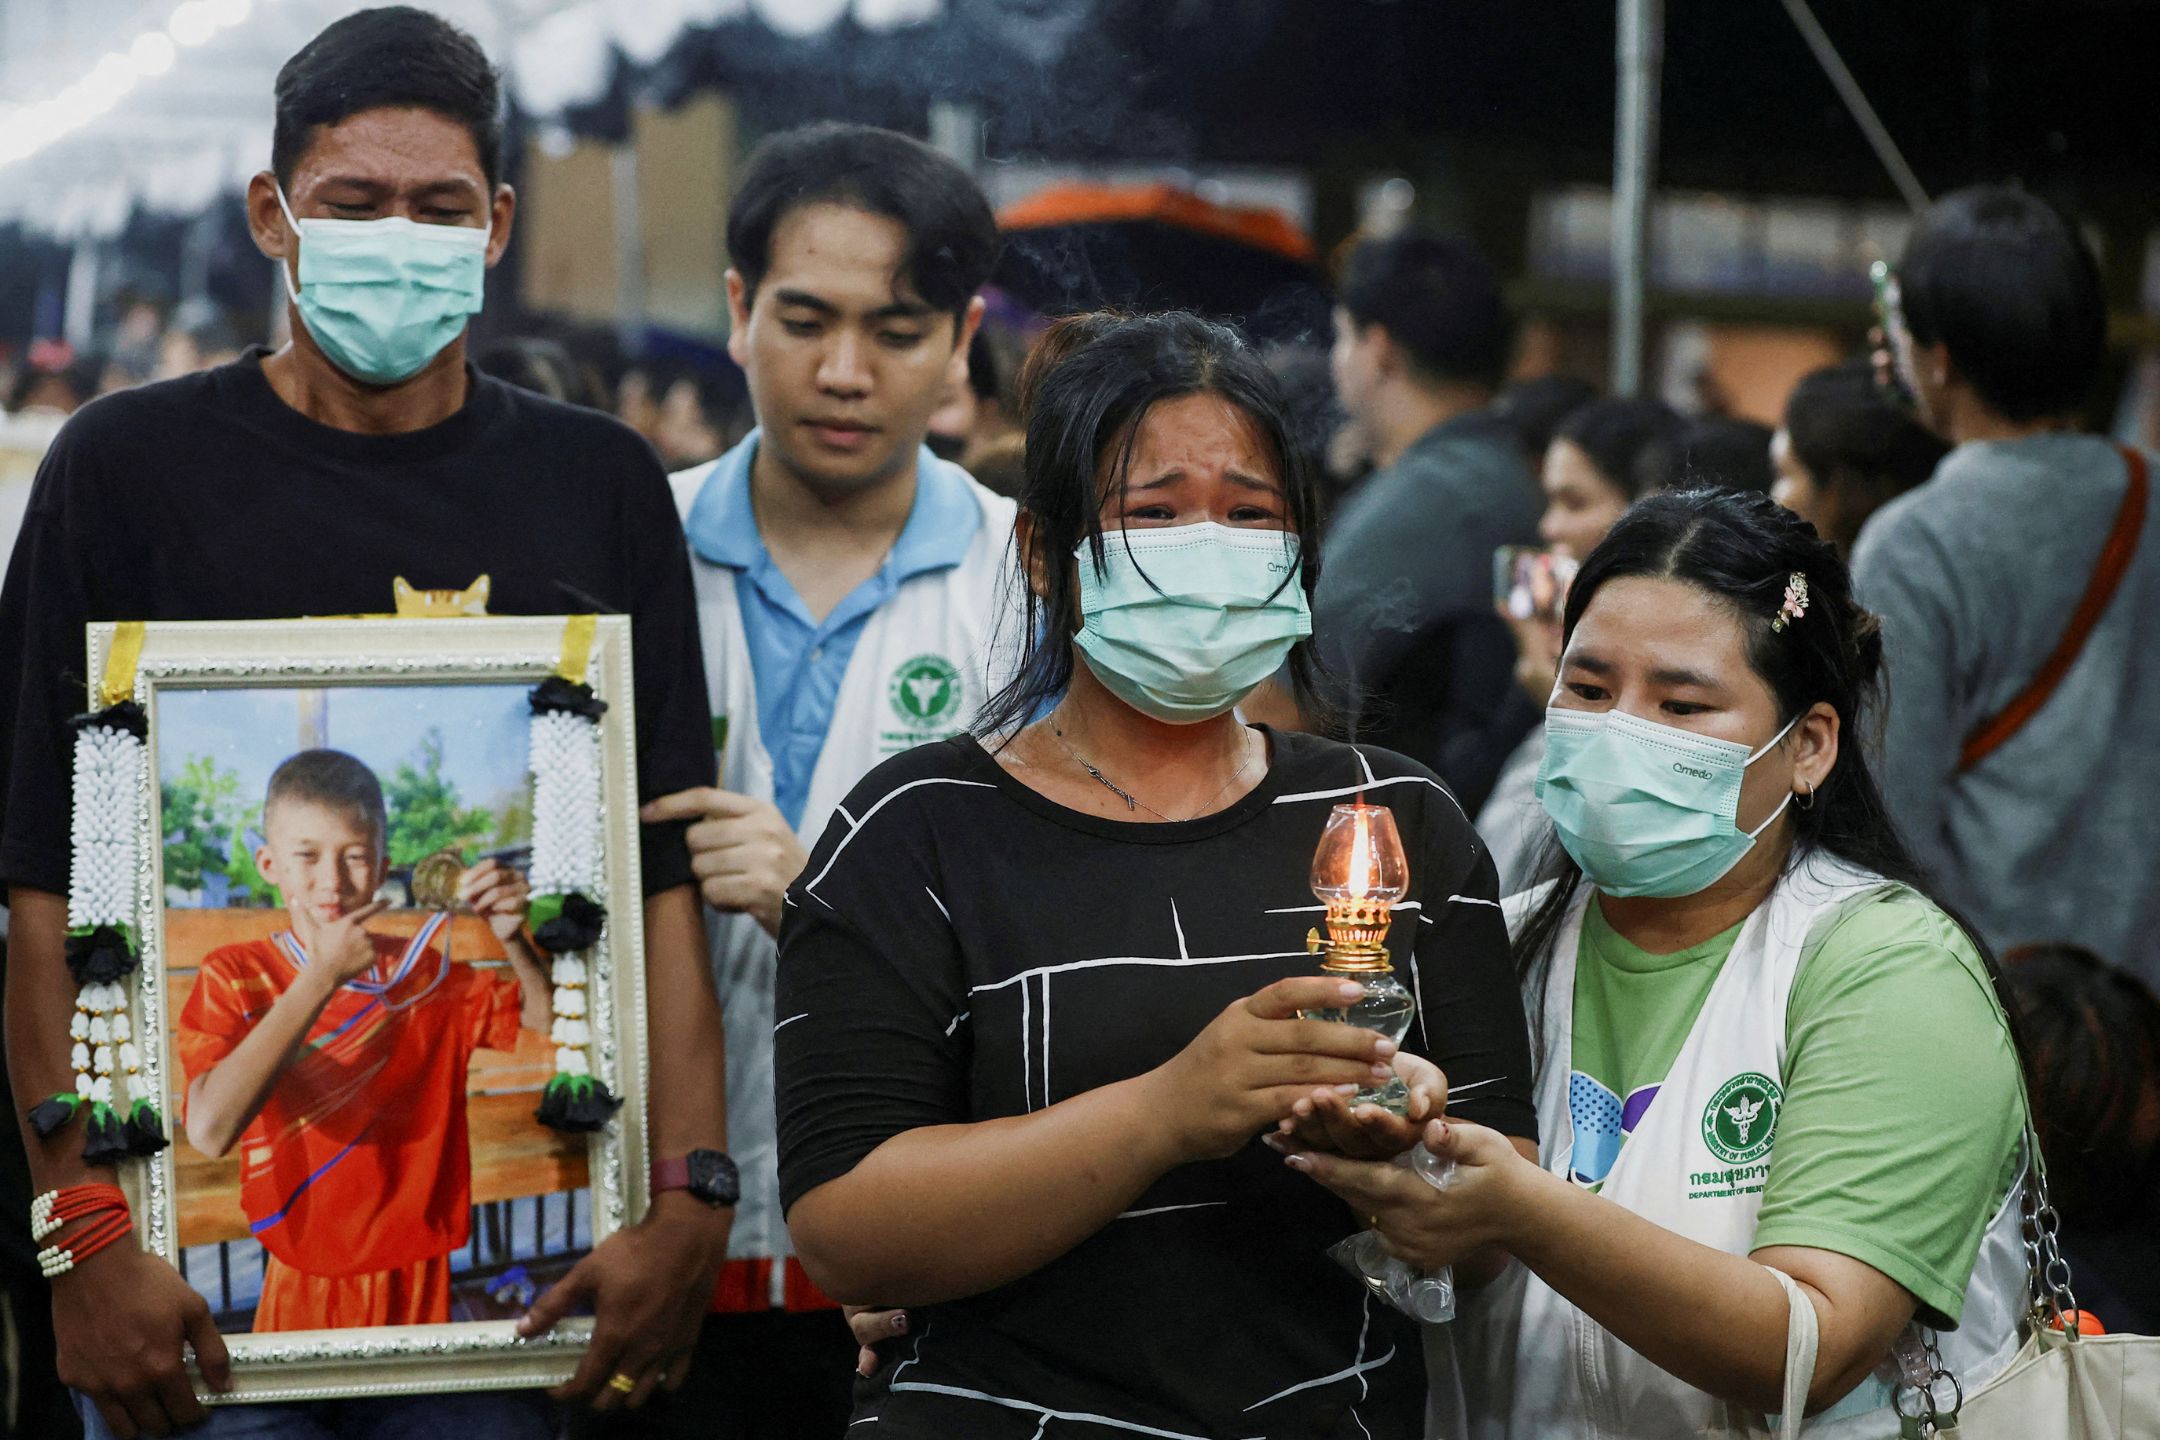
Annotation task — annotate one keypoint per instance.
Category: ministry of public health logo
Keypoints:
(925, 692)
(1741, 1119)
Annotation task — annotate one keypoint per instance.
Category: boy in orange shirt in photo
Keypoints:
(336, 1059)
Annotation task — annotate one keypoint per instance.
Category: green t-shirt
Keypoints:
(1899, 1134)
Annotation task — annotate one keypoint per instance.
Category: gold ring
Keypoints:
(622, 1382)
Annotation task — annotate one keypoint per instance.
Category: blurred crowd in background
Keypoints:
(1429, 347)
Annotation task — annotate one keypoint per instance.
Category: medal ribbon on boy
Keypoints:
(104, 875)
(568, 859)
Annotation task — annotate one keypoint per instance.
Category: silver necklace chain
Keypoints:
(1131, 800)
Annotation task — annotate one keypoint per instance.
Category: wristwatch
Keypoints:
(707, 1174)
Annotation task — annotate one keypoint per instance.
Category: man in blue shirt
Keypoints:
(798, 658)
(850, 585)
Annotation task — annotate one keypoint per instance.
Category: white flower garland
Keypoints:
(110, 771)
(102, 1036)
(567, 830)
(568, 858)
(111, 764)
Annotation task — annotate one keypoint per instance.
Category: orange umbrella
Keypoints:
(1156, 246)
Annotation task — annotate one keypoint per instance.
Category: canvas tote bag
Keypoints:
(2059, 1386)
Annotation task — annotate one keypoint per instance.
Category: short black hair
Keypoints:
(2004, 280)
(1536, 408)
(543, 366)
(334, 780)
(394, 56)
(1632, 442)
(1725, 452)
(1439, 300)
(1857, 446)
(952, 243)
(2095, 1035)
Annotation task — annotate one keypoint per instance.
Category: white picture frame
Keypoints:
(327, 655)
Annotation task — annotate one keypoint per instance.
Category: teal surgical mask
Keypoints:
(383, 297)
(1644, 808)
(1183, 621)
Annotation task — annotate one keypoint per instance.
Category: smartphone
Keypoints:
(1530, 582)
(1889, 319)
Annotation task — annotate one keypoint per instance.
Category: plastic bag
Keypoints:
(1423, 1295)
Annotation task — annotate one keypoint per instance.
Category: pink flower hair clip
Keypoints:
(1796, 602)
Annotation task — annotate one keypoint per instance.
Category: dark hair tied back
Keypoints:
(1741, 549)
(1085, 391)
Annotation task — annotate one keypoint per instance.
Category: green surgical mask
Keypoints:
(1644, 808)
(1181, 622)
(383, 297)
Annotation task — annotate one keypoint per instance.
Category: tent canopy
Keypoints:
(1499, 98)
(172, 105)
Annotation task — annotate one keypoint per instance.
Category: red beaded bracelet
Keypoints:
(55, 1208)
(55, 1260)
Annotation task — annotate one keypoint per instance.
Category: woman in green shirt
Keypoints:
(1763, 1049)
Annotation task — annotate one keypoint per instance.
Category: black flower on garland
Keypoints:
(106, 1141)
(127, 715)
(577, 927)
(100, 956)
(53, 1112)
(557, 695)
(145, 1129)
(577, 1104)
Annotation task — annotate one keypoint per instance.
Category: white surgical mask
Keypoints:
(1184, 620)
(382, 298)
(1644, 808)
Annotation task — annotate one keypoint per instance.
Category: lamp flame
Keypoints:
(1361, 856)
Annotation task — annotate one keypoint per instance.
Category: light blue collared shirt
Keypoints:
(797, 663)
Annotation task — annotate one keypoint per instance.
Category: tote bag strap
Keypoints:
(2107, 576)
(2047, 1279)
(1803, 1333)
(2049, 1301)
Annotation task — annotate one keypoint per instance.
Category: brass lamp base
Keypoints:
(1354, 956)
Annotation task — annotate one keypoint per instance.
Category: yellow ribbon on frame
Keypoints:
(118, 682)
(577, 638)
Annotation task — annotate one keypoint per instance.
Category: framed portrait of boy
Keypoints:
(390, 994)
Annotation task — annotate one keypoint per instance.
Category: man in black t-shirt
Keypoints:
(304, 482)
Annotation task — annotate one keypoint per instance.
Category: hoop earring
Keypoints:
(1807, 796)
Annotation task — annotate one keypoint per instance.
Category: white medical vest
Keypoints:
(921, 667)
(1523, 1363)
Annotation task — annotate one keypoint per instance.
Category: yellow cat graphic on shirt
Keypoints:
(439, 604)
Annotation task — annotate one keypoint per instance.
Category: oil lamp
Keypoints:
(1358, 873)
